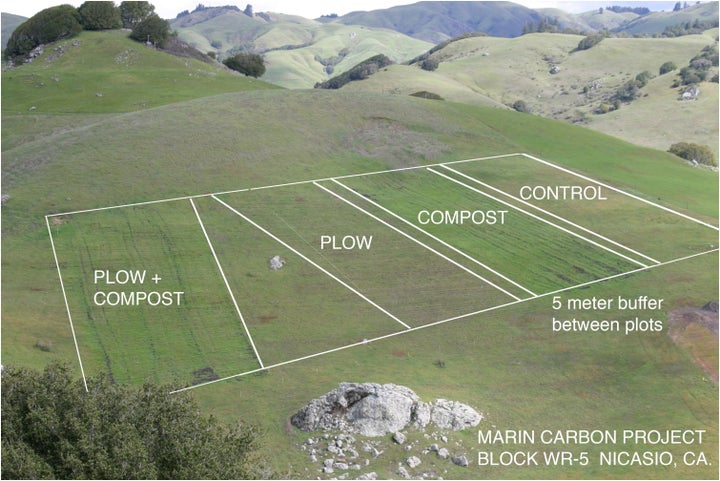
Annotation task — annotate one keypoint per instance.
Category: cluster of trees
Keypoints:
(547, 25)
(635, 10)
(591, 40)
(52, 427)
(689, 28)
(360, 71)
(65, 21)
(250, 64)
(699, 67)
(701, 154)
(627, 92)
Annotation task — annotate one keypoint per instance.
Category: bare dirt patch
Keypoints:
(696, 330)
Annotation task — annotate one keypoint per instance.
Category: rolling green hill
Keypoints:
(503, 70)
(219, 132)
(298, 52)
(100, 72)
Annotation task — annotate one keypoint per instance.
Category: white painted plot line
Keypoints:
(472, 273)
(275, 186)
(227, 284)
(622, 192)
(443, 243)
(444, 321)
(551, 214)
(538, 218)
(67, 306)
(298, 253)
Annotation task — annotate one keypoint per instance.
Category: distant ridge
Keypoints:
(438, 21)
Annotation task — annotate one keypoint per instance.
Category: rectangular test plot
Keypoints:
(145, 296)
(409, 281)
(294, 310)
(642, 227)
(536, 255)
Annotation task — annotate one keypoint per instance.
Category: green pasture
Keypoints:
(194, 340)
(507, 363)
(411, 282)
(511, 367)
(643, 227)
(296, 311)
(102, 72)
(535, 255)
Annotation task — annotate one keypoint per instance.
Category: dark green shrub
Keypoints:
(424, 94)
(521, 106)
(99, 16)
(49, 25)
(429, 64)
(688, 151)
(152, 29)
(590, 41)
(56, 427)
(667, 67)
(250, 64)
(360, 71)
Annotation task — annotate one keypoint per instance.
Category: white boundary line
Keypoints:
(298, 253)
(441, 242)
(567, 231)
(472, 273)
(67, 306)
(684, 216)
(227, 284)
(287, 184)
(551, 214)
(444, 321)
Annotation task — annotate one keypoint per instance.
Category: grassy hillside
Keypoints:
(507, 363)
(101, 72)
(506, 70)
(298, 52)
(656, 22)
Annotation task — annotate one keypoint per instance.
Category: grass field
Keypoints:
(267, 318)
(506, 363)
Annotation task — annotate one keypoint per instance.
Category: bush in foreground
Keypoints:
(53, 428)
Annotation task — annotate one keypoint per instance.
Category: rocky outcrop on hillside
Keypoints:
(371, 409)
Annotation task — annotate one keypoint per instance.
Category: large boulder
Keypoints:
(373, 409)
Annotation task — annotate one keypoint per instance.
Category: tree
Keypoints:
(430, 64)
(250, 64)
(132, 13)
(248, 10)
(53, 427)
(667, 67)
(521, 106)
(99, 16)
(49, 25)
(693, 152)
(152, 29)
(590, 41)
(678, 7)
